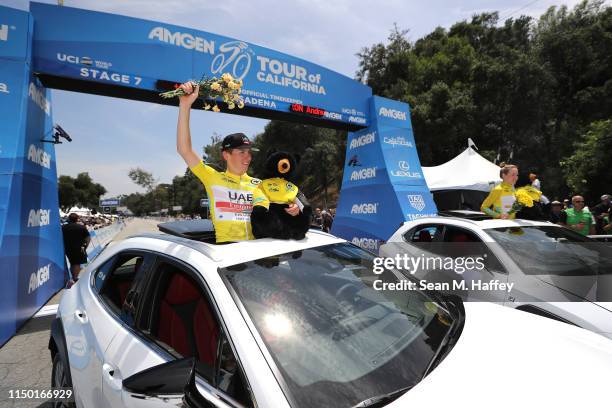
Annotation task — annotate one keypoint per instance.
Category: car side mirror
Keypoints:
(172, 380)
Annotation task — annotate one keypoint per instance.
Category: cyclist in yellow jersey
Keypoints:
(231, 193)
(499, 201)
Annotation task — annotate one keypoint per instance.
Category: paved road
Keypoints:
(25, 361)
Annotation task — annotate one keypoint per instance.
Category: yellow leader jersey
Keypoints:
(501, 199)
(231, 201)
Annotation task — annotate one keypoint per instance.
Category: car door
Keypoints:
(174, 318)
(114, 287)
(89, 328)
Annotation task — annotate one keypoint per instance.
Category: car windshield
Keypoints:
(335, 339)
(550, 250)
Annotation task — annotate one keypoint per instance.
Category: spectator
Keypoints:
(327, 221)
(557, 216)
(318, 218)
(566, 204)
(600, 211)
(607, 228)
(76, 240)
(534, 181)
(579, 218)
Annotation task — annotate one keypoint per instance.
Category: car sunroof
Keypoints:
(199, 230)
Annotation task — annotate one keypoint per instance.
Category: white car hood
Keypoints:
(508, 358)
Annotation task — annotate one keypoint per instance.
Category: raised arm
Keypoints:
(183, 134)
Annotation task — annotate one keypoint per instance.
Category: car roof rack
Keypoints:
(198, 230)
(465, 214)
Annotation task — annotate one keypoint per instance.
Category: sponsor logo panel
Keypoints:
(39, 278)
(39, 218)
(365, 208)
(392, 113)
(363, 140)
(366, 243)
(364, 174)
(39, 156)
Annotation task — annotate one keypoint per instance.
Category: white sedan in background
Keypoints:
(160, 320)
(553, 271)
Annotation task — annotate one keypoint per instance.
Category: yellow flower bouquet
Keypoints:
(225, 88)
(525, 197)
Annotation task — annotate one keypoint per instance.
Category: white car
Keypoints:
(160, 320)
(553, 271)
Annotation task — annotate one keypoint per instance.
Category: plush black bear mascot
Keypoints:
(274, 222)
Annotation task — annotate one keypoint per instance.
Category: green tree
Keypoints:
(68, 195)
(212, 153)
(142, 178)
(588, 169)
(81, 191)
(524, 90)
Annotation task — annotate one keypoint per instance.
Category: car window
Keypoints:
(461, 242)
(101, 274)
(332, 326)
(457, 234)
(424, 233)
(183, 321)
(115, 279)
(552, 250)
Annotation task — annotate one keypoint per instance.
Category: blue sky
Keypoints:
(111, 135)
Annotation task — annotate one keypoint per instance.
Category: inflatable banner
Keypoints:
(383, 183)
(73, 44)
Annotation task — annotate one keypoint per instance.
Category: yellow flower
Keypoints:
(206, 106)
(231, 105)
(524, 198)
(215, 86)
(227, 77)
(241, 104)
(534, 193)
(237, 98)
(216, 108)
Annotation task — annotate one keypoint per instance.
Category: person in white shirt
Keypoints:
(534, 181)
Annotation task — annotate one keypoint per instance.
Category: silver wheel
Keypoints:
(59, 379)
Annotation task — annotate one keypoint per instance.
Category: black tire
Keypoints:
(61, 379)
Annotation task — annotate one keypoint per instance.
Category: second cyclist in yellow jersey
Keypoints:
(499, 201)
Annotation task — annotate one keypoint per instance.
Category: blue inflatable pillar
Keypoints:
(383, 184)
(31, 247)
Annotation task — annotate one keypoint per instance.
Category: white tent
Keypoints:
(467, 171)
(81, 211)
